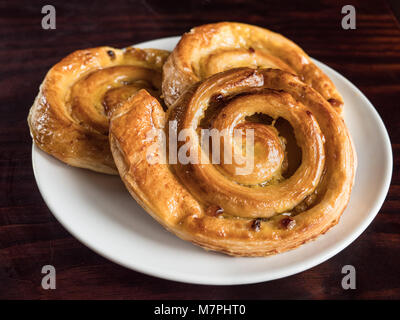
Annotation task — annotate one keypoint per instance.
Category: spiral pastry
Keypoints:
(70, 116)
(213, 48)
(303, 155)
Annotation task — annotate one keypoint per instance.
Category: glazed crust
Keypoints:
(212, 48)
(183, 198)
(69, 118)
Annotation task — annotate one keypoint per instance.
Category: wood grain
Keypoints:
(30, 237)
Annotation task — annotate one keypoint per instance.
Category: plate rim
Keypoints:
(258, 277)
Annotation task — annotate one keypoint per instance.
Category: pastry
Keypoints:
(213, 48)
(69, 118)
(303, 173)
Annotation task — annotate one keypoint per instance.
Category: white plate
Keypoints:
(98, 210)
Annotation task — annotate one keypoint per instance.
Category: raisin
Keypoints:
(334, 102)
(217, 97)
(288, 223)
(256, 224)
(111, 54)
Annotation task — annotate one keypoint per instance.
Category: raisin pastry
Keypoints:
(304, 162)
(213, 48)
(69, 118)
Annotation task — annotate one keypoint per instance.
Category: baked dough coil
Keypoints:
(267, 211)
(69, 118)
(213, 48)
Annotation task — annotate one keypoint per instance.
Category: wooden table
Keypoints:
(30, 236)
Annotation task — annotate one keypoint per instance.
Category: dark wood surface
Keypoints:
(30, 236)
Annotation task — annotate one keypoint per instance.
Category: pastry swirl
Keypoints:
(281, 204)
(69, 118)
(213, 48)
